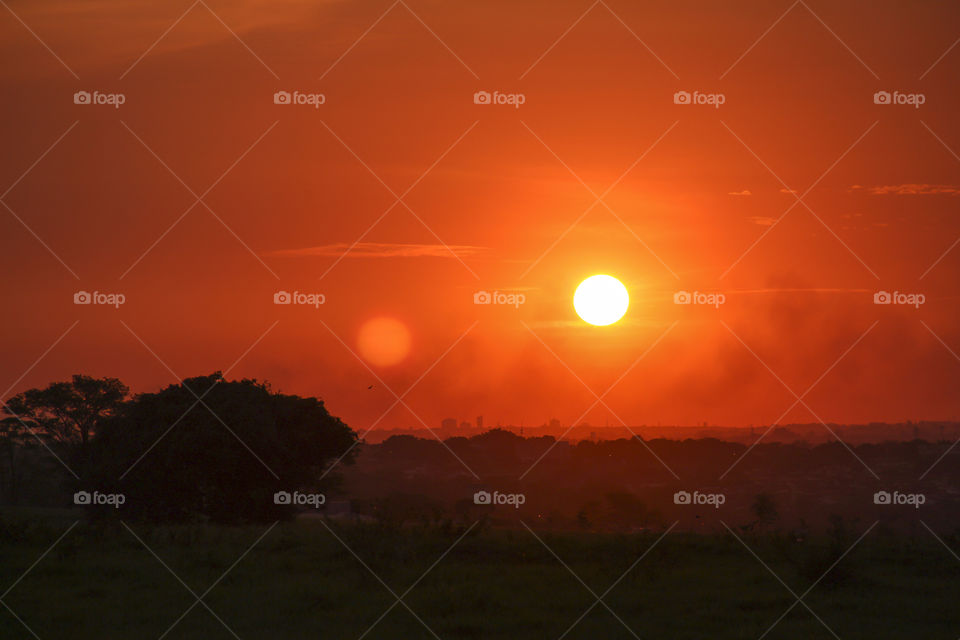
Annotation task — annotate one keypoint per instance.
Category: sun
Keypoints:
(601, 300)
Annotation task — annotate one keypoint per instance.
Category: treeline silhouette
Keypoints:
(209, 449)
(629, 484)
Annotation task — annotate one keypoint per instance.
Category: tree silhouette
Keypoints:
(765, 509)
(215, 449)
(69, 413)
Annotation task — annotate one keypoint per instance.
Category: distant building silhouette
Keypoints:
(448, 423)
(479, 422)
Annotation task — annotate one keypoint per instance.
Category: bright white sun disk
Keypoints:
(601, 300)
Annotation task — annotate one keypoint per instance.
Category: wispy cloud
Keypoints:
(910, 189)
(800, 290)
(381, 250)
(763, 221)
(745, 192)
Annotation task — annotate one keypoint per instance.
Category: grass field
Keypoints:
(300, 581)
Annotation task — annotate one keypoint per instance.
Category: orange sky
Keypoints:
(285, 188)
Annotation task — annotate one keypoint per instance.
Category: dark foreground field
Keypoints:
(305, 580)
